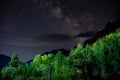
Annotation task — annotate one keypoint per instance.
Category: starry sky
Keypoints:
(30, 27)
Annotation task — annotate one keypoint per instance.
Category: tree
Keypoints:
(0, 74)
(61, 69)
(76, 59)
(14, 61)
(8, 73)
(46, 66)
(37, 60)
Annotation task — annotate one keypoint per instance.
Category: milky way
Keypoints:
(82, 15)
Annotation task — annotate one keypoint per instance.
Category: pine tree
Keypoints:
(14, 61)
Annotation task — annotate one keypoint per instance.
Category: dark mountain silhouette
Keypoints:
(4, 60)
(86, 34)
(110, 27)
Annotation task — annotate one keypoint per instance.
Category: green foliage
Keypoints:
(113, 52)
(77, 61)
(8, 73)
(0, 74)
(61, 67)
(99, 58)
(37, 61)
(14, 61)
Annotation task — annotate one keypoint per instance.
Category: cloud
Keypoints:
(54, 38)
(31, 44)
(47, 39)
(13, 40)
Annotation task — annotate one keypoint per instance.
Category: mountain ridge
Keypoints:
(109, 28)
(4, 60)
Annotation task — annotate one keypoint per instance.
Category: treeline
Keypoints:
(99, 61)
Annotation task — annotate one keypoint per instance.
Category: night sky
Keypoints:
(29, 27)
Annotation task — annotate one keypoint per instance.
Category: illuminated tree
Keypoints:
(14, 61)
(61, 68)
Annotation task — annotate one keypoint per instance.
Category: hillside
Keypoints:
(4, 61)
(109, 28)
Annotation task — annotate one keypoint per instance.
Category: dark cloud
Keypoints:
(46, 39)
(54, 38)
